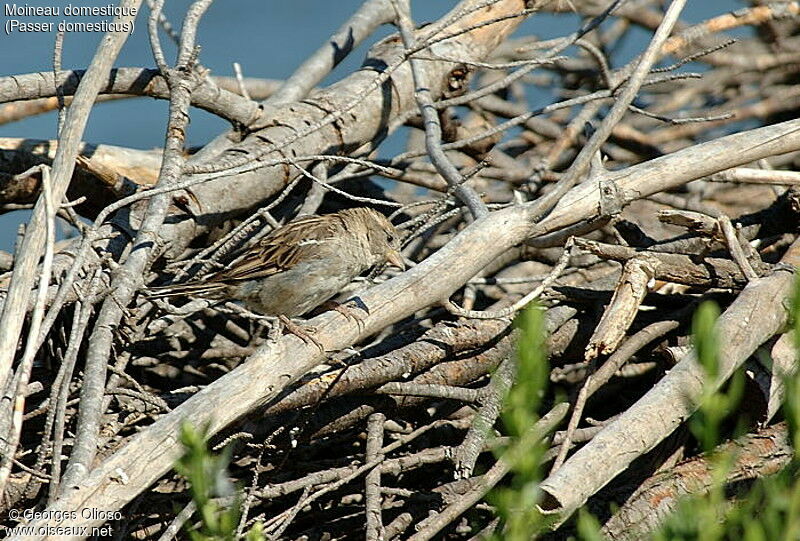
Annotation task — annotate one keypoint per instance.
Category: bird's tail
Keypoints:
(196, 289)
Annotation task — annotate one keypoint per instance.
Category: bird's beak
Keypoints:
(394, 257)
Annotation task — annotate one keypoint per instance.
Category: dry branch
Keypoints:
(256, 382)
(756, 455)
(750, 320)
(16, 301)
(385, 434)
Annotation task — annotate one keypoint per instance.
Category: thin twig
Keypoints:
(433, 129)
(372, 492)
(31, 344)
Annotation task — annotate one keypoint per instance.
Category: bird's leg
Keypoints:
(348, 309)
(278, 324)
(301, 332)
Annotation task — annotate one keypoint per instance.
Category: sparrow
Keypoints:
(300, 265)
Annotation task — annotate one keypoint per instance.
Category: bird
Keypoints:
(301, 265)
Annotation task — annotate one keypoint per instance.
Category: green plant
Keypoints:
(516, 503)
(715, 405)
(214, 495)
(770, 507)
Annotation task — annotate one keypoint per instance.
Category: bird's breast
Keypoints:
(298, 290)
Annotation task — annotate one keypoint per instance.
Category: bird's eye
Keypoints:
(390, 237)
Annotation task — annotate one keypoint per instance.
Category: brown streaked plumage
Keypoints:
(302, 264)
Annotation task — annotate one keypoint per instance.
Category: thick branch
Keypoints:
(753, 317)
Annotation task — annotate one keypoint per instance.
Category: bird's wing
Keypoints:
(283, 249)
